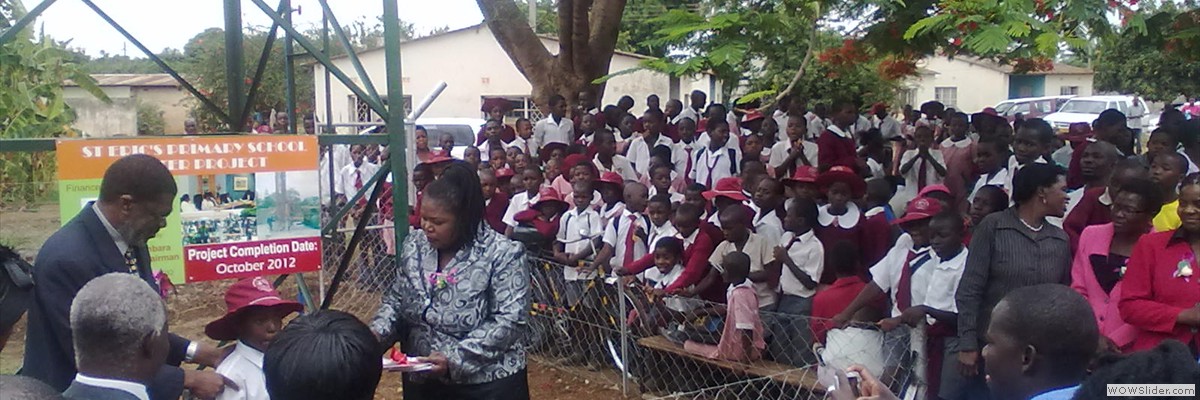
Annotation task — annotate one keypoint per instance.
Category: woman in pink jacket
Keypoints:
(1103, 252)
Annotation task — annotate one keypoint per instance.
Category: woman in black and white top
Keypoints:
(461, 298)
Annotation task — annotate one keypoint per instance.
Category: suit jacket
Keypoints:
(82, 391)
(1097, 239)
(77, 253)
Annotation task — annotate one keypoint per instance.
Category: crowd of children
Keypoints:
(826, 215)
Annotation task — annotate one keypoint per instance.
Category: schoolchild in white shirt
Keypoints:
(578, 229)
(254, 315)
(802, 260)
(720, 159)
(626, 236)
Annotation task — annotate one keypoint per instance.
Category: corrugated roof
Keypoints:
(135, 80)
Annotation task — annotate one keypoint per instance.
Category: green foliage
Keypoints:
(1150, 61)
(761, 44)
(150, 119)
(32, 105)
(639, 22)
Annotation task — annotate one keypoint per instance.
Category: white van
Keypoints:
(1087, 109)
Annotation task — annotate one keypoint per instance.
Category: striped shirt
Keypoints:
(1005, 255)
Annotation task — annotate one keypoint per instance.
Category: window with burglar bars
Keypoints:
(1069, 90)
(948, 96)
(362, 112)
(523, 107)
(908, 96)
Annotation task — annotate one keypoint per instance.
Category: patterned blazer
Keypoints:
(475, 311)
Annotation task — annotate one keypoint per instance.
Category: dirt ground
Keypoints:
(194, 305)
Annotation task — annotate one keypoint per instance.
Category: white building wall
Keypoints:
(1054, 84)
(472, 64)
(977, 86)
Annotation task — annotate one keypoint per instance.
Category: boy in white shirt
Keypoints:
(921, 167)
(935, 304)
(735, 224)
(531, 180)
(720, 159)
(607, 160)
(577, 229)
(658, 212)
(768, 198)
(556, 128)
(904, 273)
(625, 236)
(794, 152)
(254, 315)
(801, 258)
(640, 147)
(668, 262)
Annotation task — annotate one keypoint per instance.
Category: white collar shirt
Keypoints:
(548, 131)
(244, 367)
(685, 153)
(136, 389)
(942, 283)
(617, 231)
(889, 127)
(341, 158)
(997, 179)
(913, 176)
(769, 226)
(837, 130)
(761, 252)
(816, 125)
(676, 197)
(352, 178)
(621, 165)
(712, 165)
(808, 254)
(658, 232)
(575, 231)
(780, 150)
(122, 246)
(844, 221)
(639, 152)
(1013, 167)
(659, 280)
(520, 202)
(886, 273)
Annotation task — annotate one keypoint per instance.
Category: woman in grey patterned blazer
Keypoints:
(460, 300)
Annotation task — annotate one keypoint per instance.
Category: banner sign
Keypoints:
(247, 205)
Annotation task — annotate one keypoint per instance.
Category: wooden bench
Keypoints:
(782, 373)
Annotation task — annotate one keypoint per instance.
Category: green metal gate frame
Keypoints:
(240, 102)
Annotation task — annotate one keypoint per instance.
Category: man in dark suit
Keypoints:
(136, 196)
(120, 338)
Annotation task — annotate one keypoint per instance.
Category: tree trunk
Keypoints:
(587, 38)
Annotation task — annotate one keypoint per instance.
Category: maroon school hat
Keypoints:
(246, 293)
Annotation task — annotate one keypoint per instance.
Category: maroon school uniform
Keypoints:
(837, 148)
(877, 235)
(493, 213)
(833, 229)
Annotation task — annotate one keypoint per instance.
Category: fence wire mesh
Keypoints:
(618, 332)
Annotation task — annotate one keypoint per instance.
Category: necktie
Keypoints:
(687, 171)
(904, 288)
(630, 240)
(358, 184)
(921, 178)
(131, 260)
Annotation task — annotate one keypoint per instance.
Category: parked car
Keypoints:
(1087, 109)
(1030, 107)
(463, 131)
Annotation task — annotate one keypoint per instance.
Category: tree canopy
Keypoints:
(1158, 64)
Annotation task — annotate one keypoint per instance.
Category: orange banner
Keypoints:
(191, 155)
